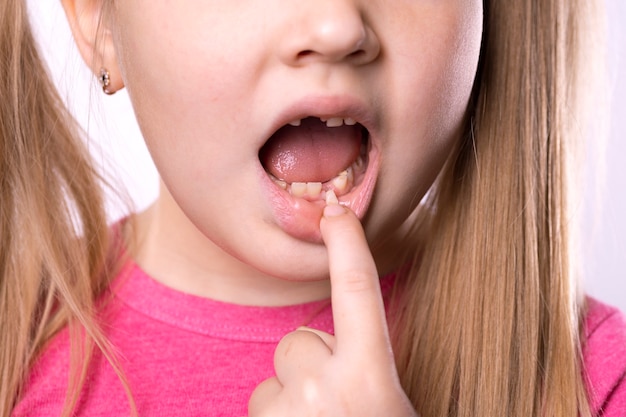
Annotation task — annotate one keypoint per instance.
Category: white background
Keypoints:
(118, 145)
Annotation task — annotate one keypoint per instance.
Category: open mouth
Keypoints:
(310, 157)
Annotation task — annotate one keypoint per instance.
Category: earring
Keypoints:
(105, 81)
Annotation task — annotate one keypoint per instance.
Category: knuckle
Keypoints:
(288, 343)
(299, 344)
(264, 397)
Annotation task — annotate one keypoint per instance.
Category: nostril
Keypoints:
(357, 54)
(304, 54)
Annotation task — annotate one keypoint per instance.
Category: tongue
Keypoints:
(311, 152)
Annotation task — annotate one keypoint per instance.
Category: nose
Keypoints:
(328, 31)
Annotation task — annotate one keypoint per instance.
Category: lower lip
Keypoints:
(300, 218)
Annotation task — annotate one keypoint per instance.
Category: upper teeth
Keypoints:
(330, 122)
(339, 121)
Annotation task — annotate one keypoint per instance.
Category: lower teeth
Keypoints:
(340, 185)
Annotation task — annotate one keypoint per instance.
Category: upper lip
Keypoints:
(325, 107)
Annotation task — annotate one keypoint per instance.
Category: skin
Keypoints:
(210, 82)
(352, 373)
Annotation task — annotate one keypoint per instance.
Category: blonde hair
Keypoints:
(489, 315)
(53, 232)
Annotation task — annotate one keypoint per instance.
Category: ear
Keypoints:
(94, 38)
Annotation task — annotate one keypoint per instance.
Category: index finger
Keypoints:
(357, 303)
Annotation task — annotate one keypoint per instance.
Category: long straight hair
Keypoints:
(489, 314)
(54, 237)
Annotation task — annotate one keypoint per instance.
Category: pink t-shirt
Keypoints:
(605, 359)
(189, 356)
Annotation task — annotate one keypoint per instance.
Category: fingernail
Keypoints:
(333, 210)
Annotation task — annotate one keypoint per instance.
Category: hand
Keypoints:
(352, 373)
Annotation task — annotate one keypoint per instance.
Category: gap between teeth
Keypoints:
(330, 122)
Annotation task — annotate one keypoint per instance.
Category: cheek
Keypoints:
(440, 69)
(449, 62)
(176, 68)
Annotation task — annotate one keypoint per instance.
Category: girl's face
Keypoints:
(217, 86)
